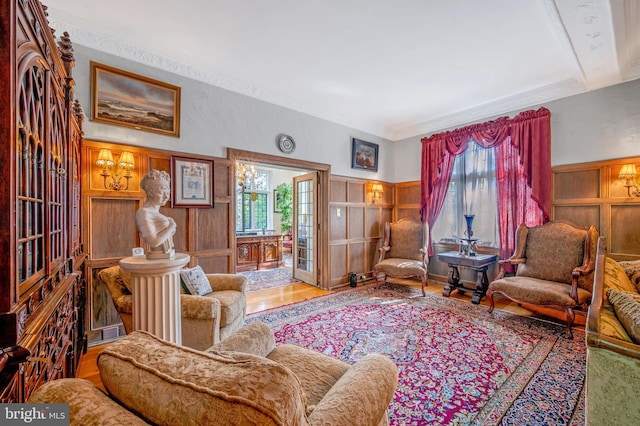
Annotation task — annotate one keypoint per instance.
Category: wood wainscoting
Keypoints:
(110, 230)
(592, 193)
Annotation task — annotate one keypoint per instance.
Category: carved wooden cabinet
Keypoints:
(42, 286)
(256, 252)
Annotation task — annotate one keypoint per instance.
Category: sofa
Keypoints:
(613, 354)
(243, 380)
(206, 318)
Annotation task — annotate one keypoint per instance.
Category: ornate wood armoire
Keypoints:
(42, 286)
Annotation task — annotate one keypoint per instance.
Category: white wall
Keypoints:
(603, 124)
(599, 125)
(213, 119)
(279, 176)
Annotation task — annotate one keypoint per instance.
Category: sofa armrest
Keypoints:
(88, 405)
(199, 307)
(256, 338)
(354, 396)
(221, 282)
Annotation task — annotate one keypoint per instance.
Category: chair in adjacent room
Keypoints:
(287, 242)
(206, 318)
(555, 264)
(404, 251)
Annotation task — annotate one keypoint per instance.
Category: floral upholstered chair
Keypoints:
(246, 379)
(555, 264)
(404, 251)
(210, 312)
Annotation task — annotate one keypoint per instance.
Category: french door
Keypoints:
(305, 228)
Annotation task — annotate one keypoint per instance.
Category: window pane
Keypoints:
(239, 210)
(261, 181)
(472, 191)
(246, 211)
(260, 211)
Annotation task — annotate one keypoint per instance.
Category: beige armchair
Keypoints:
(206, 319)
(404, 251)
(244, 380)
(555, 264)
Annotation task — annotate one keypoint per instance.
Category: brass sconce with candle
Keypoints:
(116, 170)
(629, 173)
(376, 192)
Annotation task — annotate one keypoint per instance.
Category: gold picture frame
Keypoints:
(130, 100)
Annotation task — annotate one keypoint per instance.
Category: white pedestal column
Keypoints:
(156, 295)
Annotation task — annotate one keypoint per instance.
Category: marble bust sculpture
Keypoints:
(156, 229)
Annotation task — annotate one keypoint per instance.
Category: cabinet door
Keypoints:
(271, 251)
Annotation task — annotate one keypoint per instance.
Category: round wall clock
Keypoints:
(286, 144)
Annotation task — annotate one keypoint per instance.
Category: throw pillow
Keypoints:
(194, 281)
(632, 268)
(627, 307)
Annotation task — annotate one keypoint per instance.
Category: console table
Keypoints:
(254, 252)
(480, 263)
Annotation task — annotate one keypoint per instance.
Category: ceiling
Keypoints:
(395, 69)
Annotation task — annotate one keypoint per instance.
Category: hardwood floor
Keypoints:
(279, 296)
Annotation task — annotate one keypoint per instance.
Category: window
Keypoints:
(252, 202)
(472, 191)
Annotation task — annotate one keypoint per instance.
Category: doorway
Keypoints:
(310, 266)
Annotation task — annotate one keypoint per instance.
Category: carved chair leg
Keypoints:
(424, 283)
(570, 318)
(490, 298)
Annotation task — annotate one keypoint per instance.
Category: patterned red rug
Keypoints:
(457, 363)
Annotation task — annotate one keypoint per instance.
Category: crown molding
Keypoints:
(152, 55)
(519, 101)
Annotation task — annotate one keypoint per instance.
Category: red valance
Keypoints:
(530, 136)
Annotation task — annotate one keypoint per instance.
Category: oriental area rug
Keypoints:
(458, 364)
(270, 278)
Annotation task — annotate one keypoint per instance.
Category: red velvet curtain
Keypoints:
(523, 169)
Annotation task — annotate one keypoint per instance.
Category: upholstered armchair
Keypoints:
(555, 264)
(206, 319)
(404, 251)
(246, 379)
(287, 242)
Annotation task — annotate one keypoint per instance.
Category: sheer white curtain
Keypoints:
(472, 191)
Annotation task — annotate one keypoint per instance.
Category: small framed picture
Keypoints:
(191, 182)
(364, 155)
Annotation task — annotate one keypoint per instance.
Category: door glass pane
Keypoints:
(305, 225)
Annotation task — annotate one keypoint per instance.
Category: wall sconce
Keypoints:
(628, 172)
(244, 173)
(121, 170)
(376, 192)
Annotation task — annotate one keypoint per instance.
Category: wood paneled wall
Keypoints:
(355, 226)
(407, 202)
(592, 193)
(111, 233)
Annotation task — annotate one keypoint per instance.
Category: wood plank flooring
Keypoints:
(280, 296)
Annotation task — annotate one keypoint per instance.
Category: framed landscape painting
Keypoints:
(364, 155)
(191, 182)
(126, 99)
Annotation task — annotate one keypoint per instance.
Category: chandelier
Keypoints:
(244, 173)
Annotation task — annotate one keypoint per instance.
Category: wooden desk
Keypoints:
(254, 252)
(480, 263)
